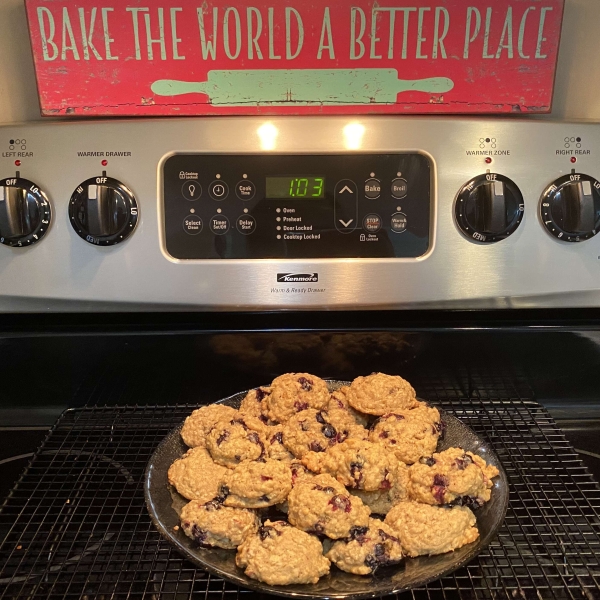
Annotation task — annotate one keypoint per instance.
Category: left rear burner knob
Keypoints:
(103, 211)
(25, 212)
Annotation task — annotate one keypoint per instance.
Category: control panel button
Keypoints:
(218, 190)
(245, 190)
(103, 211)
(489, 208)
(372, 223)
(246, 224)
(346, 206)
(25, 212)
(372, 189)
(570, 208)
(399, 188)
(192, 224)
(219, 224)
(399, 221)
(191, 190)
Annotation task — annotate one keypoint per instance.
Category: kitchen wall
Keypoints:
(577, 94)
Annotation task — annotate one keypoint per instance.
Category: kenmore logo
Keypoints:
(297, 277)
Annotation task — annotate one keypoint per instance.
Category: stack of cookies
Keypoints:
(299, 477)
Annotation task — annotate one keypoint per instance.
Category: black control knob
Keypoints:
(25, 212)
(103, 211)
(489, 208)
(570, 208)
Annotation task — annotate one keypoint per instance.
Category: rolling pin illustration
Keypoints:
(303, 86)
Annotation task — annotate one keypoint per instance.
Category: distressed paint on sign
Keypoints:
(150, 57)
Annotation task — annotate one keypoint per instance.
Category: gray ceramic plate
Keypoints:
(164, 504)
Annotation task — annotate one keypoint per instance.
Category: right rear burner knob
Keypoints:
(489, 208)
(570, 208)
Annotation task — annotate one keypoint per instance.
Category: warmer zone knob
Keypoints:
(570, 208)
(25, 212)
(489, 208)
(103, 211)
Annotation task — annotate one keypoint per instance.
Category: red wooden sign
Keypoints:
(184, 57)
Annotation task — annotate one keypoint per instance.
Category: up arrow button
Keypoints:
(346, 206)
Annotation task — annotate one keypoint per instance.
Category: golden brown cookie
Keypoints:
(322, 505)
(367, 549)
(425, 530)
(196, 476)
(409, 434)
(382, 501)
(342, 412)
(310, 430)
(280, 554)
(256, 484)
(231, 441)
(201, 421)
(355, 464)
(212, 524)
(293, 392)
(380, 394)
(253, 404)
(451, 477)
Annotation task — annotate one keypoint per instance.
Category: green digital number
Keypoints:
(292, 188)
(318, 188)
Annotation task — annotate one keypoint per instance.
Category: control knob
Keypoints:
(103, 211)
(570, 207)
(25, 212)
(489, 208)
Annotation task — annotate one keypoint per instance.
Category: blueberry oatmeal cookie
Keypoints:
(212, 524)
(366, 549)
(339, 409)
(451, 477)
(280, 554)
(253, 404)
(382, 501)
(201, 421)
(409, 434)
(275, 447)
(310, 430)
(425, 530)
(196, 476)
(355, 464)
(379, 394)
(322, 505)
(257, 484)
(293, 392)
(231, 441)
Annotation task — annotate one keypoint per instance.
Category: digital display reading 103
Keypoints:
(296, 187)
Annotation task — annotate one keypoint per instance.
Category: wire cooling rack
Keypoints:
(75, 525)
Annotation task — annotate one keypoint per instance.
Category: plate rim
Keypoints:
(281, 590)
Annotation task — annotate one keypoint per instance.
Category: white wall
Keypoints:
(577, 93)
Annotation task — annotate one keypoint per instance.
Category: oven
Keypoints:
(150, 267)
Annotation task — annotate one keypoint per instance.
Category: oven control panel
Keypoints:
(297, 206)
(294, 213)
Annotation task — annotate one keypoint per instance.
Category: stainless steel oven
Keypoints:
(148, 267)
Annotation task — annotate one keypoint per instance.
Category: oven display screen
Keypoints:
(298, 186)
